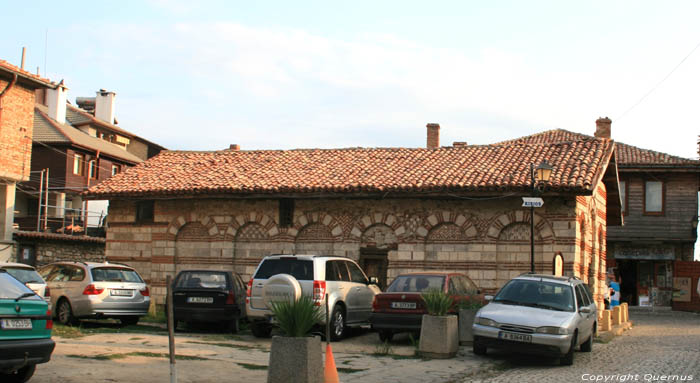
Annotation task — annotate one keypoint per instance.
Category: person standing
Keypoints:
(614, 292)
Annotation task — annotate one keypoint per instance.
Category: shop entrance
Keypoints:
(627, 274)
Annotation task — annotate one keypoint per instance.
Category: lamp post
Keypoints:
(539, 175)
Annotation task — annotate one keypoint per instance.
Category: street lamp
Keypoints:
(538, 176)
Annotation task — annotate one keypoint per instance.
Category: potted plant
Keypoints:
(467, 308)
(295, 356)
(438, 333)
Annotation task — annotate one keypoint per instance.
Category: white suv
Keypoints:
(286, 277)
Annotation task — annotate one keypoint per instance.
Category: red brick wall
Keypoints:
(16, 126)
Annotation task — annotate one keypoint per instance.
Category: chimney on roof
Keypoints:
(602, 127)
(56, 101)
(234, 147)
(433, 136)
(104, 106)
(459, 144)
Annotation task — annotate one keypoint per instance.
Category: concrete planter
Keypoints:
(295, 360)
(439, 336)
(466, 320)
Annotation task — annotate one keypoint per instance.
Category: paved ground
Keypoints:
(658, 345)
(209, 357)
(661, 347)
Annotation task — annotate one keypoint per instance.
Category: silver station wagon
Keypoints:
(539, 314)
(96, 290)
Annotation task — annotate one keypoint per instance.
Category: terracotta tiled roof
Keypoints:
(57, 237)
(37, 80)
(626, 155)
(577, 166)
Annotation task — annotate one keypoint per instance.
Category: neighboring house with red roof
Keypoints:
(80, 149)
(392, 209)
(16, 126)
(660, 206)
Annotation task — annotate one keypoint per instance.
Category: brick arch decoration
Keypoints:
(178, 223)
(264, 223)
(449, 226)
(543, 227)
(378, 218)
(325, 227)
(388, 238)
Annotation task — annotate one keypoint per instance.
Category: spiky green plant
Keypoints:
(295, 319)
(437, 302)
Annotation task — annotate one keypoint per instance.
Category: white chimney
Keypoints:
(104, 106)
(56, 101)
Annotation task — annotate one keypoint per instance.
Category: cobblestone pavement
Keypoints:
(661, 347)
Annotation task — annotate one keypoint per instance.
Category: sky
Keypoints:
(323, 74)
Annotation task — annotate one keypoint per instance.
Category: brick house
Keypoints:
(660, 206)
(392, 209)
(16, 126)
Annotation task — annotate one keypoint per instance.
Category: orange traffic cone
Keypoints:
(330, 372)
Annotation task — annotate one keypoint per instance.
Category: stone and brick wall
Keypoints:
(486, 239)
(49, 250)
(16, 128)
(591, 250)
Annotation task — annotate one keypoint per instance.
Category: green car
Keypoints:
(25, 330)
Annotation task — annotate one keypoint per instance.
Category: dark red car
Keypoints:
(401, 307)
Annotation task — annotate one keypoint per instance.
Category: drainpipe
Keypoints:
(2, 94)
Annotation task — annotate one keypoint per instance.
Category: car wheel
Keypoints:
(478, 348)
(129, 321)
(568, 359)
(260, 330)
(20, 376)
(64, 313)
(338, 328)
(386, 335)
(587, 346)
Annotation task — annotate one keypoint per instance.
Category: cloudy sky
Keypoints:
(302, 74)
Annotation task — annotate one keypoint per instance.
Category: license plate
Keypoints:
(121, 293)
(16, 324)
(515, 336)
(200, 300)
(403, 305)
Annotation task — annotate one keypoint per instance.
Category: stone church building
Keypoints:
(393, 210)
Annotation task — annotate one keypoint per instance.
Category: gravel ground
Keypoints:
(661, 347)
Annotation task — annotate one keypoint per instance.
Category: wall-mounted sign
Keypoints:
(681, 289)
(558, 265)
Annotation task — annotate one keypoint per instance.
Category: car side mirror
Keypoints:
(584, 310)
(373, 281)
(488, 298)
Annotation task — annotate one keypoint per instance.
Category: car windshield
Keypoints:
(25, 275)
(542, 294)
(300, 269)
(416, 283)
(11, 288)
(201, 280)
(115, 274)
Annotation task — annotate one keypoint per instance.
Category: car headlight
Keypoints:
(487, 322)
(552, 330)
